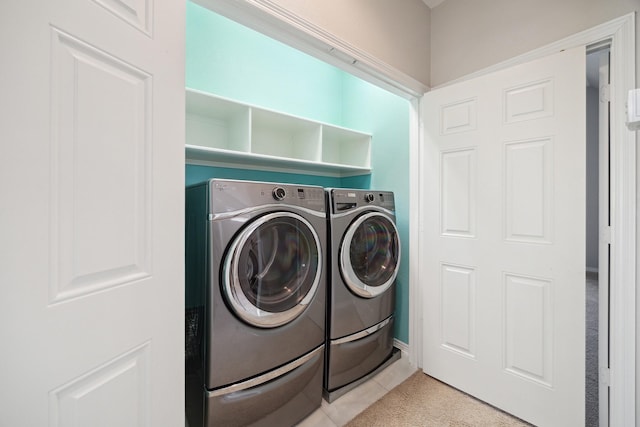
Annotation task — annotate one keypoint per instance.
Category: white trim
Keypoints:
(273, 20)
(415, 210)
(432, 3)
(620, 32)
(623, 229)
(403, 347)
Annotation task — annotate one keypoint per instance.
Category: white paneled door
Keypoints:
(91, 216)
(504, 238)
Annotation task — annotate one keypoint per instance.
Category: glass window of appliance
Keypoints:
(278, 264)
(374, 251)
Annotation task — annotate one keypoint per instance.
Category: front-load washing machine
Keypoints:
(364, 260)
(255, 302)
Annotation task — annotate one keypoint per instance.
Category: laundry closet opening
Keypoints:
(256, 76)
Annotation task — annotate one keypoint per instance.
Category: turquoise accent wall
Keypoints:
(227, 59)
(386, 117)
(230, 60)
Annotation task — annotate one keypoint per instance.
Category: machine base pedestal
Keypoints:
(330, 396)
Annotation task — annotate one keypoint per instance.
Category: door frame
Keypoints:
(620, 33)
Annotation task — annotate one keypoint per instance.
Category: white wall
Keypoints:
(395, 32)
(469, 35)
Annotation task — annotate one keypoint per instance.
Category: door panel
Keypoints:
(503, 240)
(99, 220)
(92, 182)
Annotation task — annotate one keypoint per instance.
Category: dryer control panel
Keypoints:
(346, 199)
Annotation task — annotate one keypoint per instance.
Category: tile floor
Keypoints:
(346, 407)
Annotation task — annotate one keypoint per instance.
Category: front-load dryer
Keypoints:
(364, 260)
(255, 271)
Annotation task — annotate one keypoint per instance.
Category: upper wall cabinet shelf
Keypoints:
(221, 131)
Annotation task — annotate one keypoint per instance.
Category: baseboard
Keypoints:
(403, 347)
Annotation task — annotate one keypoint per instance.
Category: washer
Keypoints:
(364, 261)
(255, 302)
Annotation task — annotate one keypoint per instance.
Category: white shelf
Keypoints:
(343, 146)
(221, 131)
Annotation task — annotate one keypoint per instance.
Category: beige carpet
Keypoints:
(424, 401)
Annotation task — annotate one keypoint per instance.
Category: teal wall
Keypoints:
(386, 117)
(232, 61)
(235, 62)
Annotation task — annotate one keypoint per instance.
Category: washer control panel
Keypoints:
(232, 195)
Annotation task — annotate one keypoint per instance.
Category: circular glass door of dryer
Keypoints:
(272, 269)
(370, 255)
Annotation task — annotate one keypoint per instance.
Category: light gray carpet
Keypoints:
(591, 349)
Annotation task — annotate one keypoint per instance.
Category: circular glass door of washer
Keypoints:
(272, 269)
(370, 255)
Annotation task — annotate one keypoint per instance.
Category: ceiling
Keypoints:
(432, 3)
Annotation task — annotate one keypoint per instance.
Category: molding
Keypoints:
(415, 209)
(273, 20)
(432, 3)
(403, 347)
(623, 248)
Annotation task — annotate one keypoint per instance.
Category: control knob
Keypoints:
(369, 197)
(279, 193)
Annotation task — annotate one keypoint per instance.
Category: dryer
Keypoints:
(255, 274)
(364, 260)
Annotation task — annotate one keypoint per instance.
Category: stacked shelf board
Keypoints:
(222, 131)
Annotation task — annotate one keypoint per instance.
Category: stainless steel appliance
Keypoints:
(364, 261)
(255, 302)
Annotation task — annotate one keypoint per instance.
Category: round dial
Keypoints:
(279, 193)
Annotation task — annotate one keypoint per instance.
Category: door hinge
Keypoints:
(605, 376)
(605, 234)
(605, 95)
